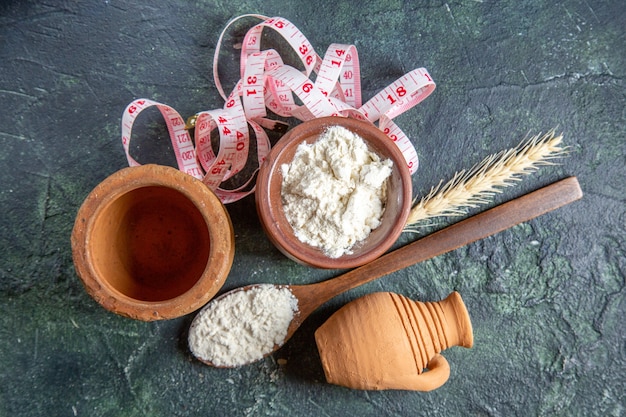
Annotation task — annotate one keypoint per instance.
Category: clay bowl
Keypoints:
(152, 243)
(270, 207)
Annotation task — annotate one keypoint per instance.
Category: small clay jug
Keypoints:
(387, 341)
(152, 243)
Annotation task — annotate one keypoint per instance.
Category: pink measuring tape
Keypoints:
(267, 83)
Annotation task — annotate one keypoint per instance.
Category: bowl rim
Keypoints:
(269, 211)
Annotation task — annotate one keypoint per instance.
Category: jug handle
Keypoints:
(437, 374)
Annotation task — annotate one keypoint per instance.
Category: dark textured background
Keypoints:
(547, 298)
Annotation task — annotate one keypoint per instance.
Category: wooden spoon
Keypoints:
(487, 223)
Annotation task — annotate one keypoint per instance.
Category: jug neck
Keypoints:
(455, 318)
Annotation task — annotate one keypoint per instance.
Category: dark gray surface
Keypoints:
(546, 298)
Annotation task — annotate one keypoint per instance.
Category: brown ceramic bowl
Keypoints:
(152, 243)
(270, 208)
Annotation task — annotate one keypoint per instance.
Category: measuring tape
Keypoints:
(268, 83)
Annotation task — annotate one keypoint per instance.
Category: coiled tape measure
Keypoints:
(267, 83)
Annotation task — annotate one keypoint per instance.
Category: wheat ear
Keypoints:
(473, 187)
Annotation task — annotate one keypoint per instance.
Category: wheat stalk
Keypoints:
(473, 187)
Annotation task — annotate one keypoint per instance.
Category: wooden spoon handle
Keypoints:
(477, 227)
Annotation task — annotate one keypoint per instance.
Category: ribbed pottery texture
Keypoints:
(387, 341)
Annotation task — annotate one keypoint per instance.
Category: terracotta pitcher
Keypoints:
(387, 341)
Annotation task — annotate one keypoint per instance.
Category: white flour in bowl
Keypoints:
(243, 326)
(334, 191)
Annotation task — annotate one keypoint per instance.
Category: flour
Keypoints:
(243, 326)
(334, 191)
